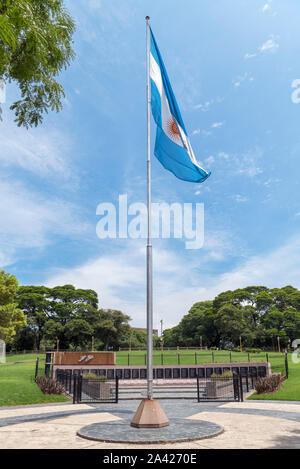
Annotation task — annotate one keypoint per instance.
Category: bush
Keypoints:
(49, 385)
(268, 384)
(253, 350)
(225, 374)
(94, 377)
(236, 349)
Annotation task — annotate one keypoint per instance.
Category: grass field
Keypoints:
(21, 357)
(17, 386)
(290, 389)
(191, 357)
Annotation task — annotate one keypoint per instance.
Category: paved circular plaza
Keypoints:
(247, 425)
(179, 430)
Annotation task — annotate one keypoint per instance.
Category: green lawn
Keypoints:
(190, 357)
(20, 357)
(17, 386)
(290, 389)
(175, 357)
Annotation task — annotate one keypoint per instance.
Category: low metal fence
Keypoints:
(220, 389)
(86, 389)
(39, 367)
(194, 357)
(93, 390)
(66, 378)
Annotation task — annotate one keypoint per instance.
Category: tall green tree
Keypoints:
(35, 46)
(34, 301)
(133, 338)
(11, 317)
(234, 322)
(49, 311)
(199, 322)
(79, 333)
(112, 327)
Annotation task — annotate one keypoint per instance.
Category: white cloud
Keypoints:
(248, 162)
(271, 45)
(215, 125)
(242, 78)
(251, 171)
(224, 155)
(204, 107)
(209, 160)
(37, 150)
(271, 181)
(266, 7)
(30, 221)
(263, 270)
(249, 56)
(102, 26)
(34, 150)
(120, 279)
(203, 132)
(240, 198)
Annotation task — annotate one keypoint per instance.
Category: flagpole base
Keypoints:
(149, 414)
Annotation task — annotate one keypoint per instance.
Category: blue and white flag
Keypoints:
(172, 146)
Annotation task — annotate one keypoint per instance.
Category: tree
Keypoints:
(34, 301)
(291, 323)
(35, 46)
(69, 294)
(233, 322)
(112, 327)
(134, 338)
(23, 340)
(264, 302)
(54, 331)
(198, 322)
(49, 310)
(284, 324)
(79, 333)
(11, 317)
(173, 336)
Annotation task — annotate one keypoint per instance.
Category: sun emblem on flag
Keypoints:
(173, 129)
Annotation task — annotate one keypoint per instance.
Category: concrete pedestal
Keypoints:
(149, 415)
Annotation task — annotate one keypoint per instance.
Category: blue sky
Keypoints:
(231, 64)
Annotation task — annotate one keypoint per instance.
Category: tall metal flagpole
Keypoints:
(149, 413)
(149, 240)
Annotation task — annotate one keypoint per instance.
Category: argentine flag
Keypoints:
(172, 145)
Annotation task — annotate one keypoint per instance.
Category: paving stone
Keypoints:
(178, 430)
(268, 424)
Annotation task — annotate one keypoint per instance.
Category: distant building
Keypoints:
(154, 332)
